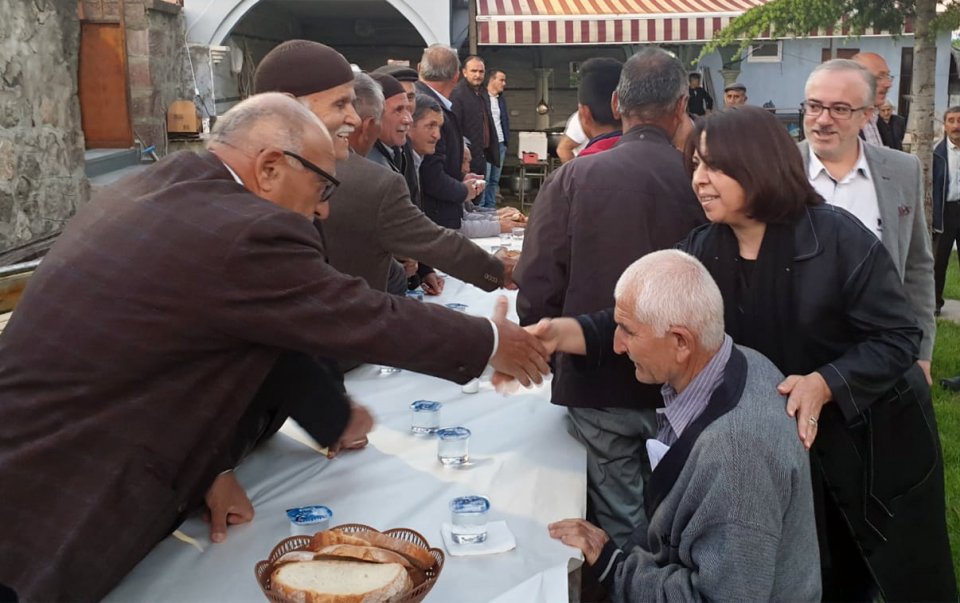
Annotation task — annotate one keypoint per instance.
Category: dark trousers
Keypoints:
(300, 387)
(943, 245)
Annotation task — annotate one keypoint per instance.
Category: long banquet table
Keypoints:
(523, 459)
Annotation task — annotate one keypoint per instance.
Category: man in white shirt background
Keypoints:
(496, 83)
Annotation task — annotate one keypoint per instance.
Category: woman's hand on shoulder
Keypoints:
(806, 395)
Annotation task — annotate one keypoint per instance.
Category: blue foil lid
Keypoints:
(309, 514)
(453, 433)
(426, 405)
(457, 307)
(470, 504)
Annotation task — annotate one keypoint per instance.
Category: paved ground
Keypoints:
(951, 310)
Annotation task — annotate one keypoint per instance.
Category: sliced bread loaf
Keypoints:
(335, 581)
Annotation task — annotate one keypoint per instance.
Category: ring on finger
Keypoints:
(813, 421)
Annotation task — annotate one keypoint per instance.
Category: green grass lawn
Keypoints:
(946, 363)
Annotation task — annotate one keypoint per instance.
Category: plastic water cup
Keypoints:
(425, 417)
(452, 446)
(517, 232)
(506, 238)
(468, 519)
(307, 521)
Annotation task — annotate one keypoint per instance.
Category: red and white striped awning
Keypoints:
(555, 22)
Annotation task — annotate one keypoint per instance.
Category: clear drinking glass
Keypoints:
(468, 519)
(452, 446)
(518, 232)
(425, 417)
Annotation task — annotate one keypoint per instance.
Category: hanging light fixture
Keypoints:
(542, 107)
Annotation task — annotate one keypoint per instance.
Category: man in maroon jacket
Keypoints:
(138, 349)
(592, 219)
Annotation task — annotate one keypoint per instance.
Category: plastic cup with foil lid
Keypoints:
(452, 446)
(468, 519)
(425, 417)
(306, 521)
(457, 307)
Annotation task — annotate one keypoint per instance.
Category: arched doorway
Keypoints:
(367, 32)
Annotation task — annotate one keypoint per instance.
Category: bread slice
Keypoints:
(419, 556)
(334, 581)
(364, 553)
(328, 537)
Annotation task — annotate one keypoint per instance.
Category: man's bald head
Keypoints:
(877, 65)
(280, 151)
(266, 119)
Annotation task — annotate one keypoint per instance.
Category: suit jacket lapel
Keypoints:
(886, 200)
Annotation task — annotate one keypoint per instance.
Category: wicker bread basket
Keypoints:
(264, 568)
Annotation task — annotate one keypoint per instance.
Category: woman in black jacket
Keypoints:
(810, 287)
(807, 285)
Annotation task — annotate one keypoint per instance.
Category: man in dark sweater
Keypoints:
(729, 501)
(592, 218)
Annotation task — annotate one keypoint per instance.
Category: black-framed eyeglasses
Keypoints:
(332, 183)
(838, 111)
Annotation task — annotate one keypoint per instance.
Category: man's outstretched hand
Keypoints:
(227, 504)
(519, 354)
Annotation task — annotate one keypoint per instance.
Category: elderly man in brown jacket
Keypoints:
(145, 333)
(591, 220)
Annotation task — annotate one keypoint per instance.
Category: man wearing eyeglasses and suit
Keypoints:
(881, 187)
(884, 190)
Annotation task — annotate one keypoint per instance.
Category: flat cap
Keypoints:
(390, 85)
(301, 67)
(735, 86)
(403, 74)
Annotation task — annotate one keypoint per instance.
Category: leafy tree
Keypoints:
(798, 18)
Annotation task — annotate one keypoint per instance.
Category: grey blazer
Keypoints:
(372, 219)
(899, 184)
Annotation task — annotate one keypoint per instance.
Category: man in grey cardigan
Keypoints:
(729, 501)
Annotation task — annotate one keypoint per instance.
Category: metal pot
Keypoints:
(515, 184)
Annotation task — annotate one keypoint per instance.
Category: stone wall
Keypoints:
(41, 144)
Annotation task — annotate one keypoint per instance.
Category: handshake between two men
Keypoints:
(520, 358)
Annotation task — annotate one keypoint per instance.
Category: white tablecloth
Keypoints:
(524, 460)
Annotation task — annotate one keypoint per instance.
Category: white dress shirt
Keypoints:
(495, 114)
(854, 192)
(953, 164)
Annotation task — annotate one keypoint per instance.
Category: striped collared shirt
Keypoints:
(681, 409)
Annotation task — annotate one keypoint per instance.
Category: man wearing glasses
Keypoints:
(877, 66)
(880, 186)
(141, 364)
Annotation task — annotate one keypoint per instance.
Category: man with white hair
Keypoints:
(729, 500)
(881, 187)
